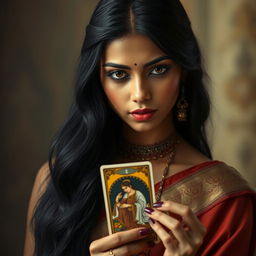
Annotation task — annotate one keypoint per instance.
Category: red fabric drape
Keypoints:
(230, 221)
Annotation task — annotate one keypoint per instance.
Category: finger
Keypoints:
(169, 242)
(185, 212)
(172, 224)
(118, 239)
(133, 248)
(195, 229)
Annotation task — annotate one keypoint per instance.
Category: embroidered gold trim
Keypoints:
(203, 188)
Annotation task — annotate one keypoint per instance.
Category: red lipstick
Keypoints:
(143, 114)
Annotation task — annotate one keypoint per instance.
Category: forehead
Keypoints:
(132, 48)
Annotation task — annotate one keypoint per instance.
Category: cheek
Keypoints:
(169, 92)
(113, 97)
(109, 91)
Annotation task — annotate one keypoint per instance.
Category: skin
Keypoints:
(136, 85)
(127, 189)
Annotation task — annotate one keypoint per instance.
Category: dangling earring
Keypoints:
(182, 106)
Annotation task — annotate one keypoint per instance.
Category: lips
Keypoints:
(143, 111)
(143, 114)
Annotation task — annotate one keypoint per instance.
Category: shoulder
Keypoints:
(225, 176)
(220, 179)
(232, 204)
(41, 181)
(207, 184)
(40, 184)
(138, 193)
(187, 156)
(221, 183)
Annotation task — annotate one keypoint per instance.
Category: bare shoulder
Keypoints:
(41, 180)
(40, 184)
(188, 156)
(39, 187)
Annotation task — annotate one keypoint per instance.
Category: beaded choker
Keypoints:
(148, 152)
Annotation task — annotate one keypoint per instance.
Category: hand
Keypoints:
(125, 205)
(118, 197)
(129, 242)
(185, 235)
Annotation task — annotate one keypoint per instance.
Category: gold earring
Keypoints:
(182, 106)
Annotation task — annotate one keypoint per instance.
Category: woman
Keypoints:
(129, 208)
(139, 82)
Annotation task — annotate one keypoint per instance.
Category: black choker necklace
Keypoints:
(155, 151)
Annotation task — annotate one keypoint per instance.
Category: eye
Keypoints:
(160, 70)
(117, 75)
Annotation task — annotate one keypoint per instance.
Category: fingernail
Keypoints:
(148, 210)
(151, 244)
(144, 231)
(158, 204)
(151, 221)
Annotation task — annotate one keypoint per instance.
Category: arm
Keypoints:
(140, 204)
(38, 189)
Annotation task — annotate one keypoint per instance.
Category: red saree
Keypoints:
(223, 202)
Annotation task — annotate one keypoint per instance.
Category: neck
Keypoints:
(149, 137)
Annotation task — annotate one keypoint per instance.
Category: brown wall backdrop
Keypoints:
(39, 47)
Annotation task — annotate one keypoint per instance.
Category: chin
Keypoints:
(142, 127)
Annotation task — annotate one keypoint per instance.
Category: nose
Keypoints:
(140, 92)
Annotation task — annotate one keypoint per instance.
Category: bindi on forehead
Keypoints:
(135, 64)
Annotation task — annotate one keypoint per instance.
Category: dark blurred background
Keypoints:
(39, 49)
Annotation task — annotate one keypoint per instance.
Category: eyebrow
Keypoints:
(152, 62)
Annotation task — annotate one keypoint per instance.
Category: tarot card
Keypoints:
(128, 189)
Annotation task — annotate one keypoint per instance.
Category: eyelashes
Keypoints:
(118, 75)
(160, 70)
(156, 71)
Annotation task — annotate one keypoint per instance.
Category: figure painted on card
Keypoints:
(129, 207)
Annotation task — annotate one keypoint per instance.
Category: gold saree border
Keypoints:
(206, 186)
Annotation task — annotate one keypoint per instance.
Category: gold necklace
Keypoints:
(170, 160)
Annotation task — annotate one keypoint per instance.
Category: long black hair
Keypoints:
(68, 210)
